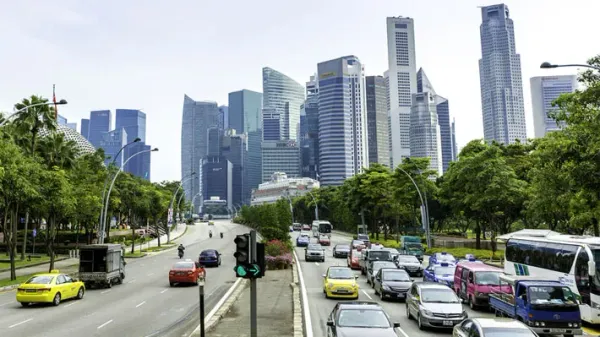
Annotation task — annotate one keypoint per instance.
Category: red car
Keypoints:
(324, 240)
(353, 259)
(186, 272)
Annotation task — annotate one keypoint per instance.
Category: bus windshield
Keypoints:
(324, 227)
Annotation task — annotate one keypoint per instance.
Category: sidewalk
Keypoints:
(178, 232)
(275, 316)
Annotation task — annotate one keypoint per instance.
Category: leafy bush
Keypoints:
(277, 248)
(460, 253)
(279, 262)
(274, 233)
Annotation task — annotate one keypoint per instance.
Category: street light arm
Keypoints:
(548, 65)
(62, 102)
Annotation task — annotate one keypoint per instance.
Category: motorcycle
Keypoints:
(221, 235)
(180, 253)
(210, 235)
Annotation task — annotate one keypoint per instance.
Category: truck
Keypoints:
(101, 265)
(547, 307)
(411, 245)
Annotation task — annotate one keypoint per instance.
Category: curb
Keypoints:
(298, 322)
(160, 251)
(34, 264)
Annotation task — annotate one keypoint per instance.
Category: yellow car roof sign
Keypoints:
(54, 271)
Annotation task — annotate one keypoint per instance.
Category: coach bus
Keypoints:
(565, 258)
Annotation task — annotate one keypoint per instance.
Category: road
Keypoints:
(144, 305)
(320, 307)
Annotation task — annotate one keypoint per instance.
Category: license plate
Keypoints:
(448, 323)
(401, 295)
(342, 291)
(180, 273)
(31, 290)
(559, 330)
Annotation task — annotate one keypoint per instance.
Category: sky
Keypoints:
(146, 54)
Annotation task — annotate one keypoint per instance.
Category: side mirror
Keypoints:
(330, 323)
(324, 275)
(396, 325)
(591, 268)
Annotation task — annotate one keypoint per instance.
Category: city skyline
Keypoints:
(123, 80)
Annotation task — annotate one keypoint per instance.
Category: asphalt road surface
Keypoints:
(144, 305)
(320, 307)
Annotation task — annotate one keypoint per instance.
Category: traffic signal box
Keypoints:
(244, 266)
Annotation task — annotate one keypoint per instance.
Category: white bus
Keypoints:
(321, 227)
(553, 256)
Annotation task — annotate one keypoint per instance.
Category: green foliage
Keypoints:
(272, 221)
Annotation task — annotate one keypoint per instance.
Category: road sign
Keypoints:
(34, 233)
(254, 269)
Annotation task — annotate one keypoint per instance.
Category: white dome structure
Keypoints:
(83, 145)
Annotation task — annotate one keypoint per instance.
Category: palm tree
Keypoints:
(57, 151)
(32, 120)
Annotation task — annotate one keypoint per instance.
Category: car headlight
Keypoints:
(464, 313)
(330, 285)
(427, 312)
(385, 287)
(354, 285)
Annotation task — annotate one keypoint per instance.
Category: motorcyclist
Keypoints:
(210, 233)
(180, 249)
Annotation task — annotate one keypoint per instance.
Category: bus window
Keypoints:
(582, 278)
(567, 258)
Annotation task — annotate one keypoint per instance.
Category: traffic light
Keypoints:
(260, 259)
(242, 255)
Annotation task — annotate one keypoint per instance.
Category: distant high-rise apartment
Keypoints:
(217, 179)
(500, 77)
(443, 118)
(235, 151)
(112, 142)
(60, 120)
(133, 121)
(343, 142)
(100, 123)
(402, 74)
(282, 99)
(544, 90)
(85, 128)
(245, 117)
(309, 131)
(425, 139)
(140, 165)
(377, 120)
(454, 146)
(224, 117)
(280, 156)
(198, 117)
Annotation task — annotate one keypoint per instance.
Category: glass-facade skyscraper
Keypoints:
(544, 90)
(343, 143)
(425, 139)
(85, 128)
(100, 123)
(133, 121)
(309, 131)
(377, 120)
(282, 99)
(112, 142)
(500, 77)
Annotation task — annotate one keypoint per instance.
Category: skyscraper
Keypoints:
(309, 131)
(198, 117)
(282, 98)
(377, 120)
(280, 156)
(112, 142)
(224, 117)
(85, 127)
(61, 120)
(215, 139)
(425, 139)
(454, 146)
(100, 123)
(544, 90)
(134, 123)
(402, 73)
(343, 143)
(234, 150)
(500, 77)
(140, 164)
(72, 126)
(245, 116)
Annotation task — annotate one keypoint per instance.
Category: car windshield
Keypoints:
(340, 274)
(486, 278)
(342, 247)
(550, 294)
(438, 296)
(407, 259)
(379, 265)
(356, 318)
(447, 257)
(314, 247)
(184, 265)
(395, 276)
(208, 253)
(304, 237)
(444, 271)
(40, 280)
(379, 255)
(357, 242)
(505, 332)
(362, 237)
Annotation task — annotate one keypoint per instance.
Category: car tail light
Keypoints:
(190, 272)
(43, 289)
(171, 273)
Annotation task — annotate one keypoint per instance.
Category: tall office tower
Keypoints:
(282, 98)
(425, 139)
(72, 126)
(198, 117)
(386, 77)
(100, 123)
(402, 73)
(234, 150)
(112, 142)
(224, 117)
(133, 121)
(309, 134)
(85, 128)
(377, 120)
(217, 179)
(280, 156)
(215, 139)
(544, 90)
(60, 120)
(245, 116)
(443, 118)
(343, 142)
(500, 77)
(454, 146)
(140, 164)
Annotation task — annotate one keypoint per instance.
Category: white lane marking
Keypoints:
(17, 324)
(403, 333)
(105, 291)
(150, 274)
(105, 324)
(364, 292)
(70, 304)
(317, 264)
(305, 307)
(131, 281)
(3, 304)
(164, 291)
(139, 305)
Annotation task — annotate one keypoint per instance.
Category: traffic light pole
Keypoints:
(201, 293)
(253, 290)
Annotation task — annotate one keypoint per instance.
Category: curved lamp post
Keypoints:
(548, 65)
(173, 201)
(110, 190)
(423, 204)
(61, 102)
(192, 205)
(316, 205)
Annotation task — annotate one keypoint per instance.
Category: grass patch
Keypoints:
(136, 254)
(158, 249)
(24, 263)
(484, 254)
(22, 278)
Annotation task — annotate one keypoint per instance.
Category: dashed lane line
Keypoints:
(364, 292)
(164, 291)
(105, 291)
(105, 324)
(23, 322)
(139, 305)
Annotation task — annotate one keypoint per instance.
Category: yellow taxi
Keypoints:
(50, 287)
(340, 282)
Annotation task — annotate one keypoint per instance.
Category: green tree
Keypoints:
(32, 120)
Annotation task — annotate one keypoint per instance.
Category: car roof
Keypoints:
(393, 269)
(431, 285)
(364, 305)
(46, 274)
(208, 251)
(338, 267)
(498, 322)
(475, 266)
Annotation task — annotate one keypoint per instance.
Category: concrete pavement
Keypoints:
(144, 305)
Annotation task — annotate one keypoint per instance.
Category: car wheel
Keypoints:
(25, 304)
(419, 323)
(323, 260)
(80, 293)
(408, 313)
(56, 300)
(471, 304)
(381, 296)
(172, 284)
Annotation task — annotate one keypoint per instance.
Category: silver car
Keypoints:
(410, 263)
(483, 327)
(314, 252)
(434, 305)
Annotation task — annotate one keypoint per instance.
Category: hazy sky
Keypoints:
(145, 54)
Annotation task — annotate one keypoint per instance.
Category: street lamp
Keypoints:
(194, 199)
(61, 102)
(548, 65)
(102, 216)
(287, 194)
(103, 225)
(173, 201)
(316, 205)
(424, 210)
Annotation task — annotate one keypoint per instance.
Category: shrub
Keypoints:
(279, 262)
(277, 248)
(274, 233)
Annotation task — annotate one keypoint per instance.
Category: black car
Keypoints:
(374, 267)
(341, 250)
(392, 283)
(210, 258)
(360, 318)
